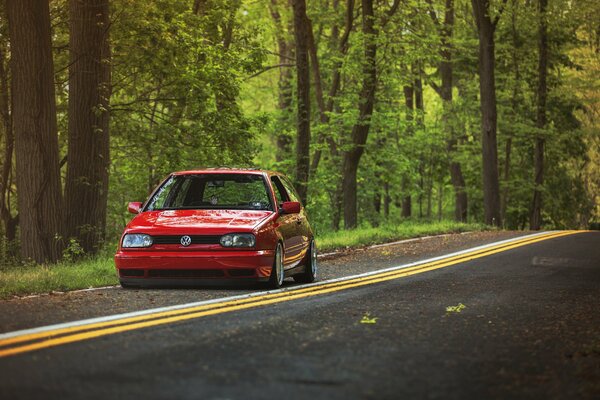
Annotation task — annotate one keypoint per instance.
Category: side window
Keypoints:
(280, 194)
(290, 189)
(161, 196)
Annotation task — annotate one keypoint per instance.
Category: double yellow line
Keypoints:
(55, 337)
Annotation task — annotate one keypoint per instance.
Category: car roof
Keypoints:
(225, 170)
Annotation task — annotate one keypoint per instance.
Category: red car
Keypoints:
(218, 224)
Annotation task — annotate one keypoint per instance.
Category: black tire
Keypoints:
(310, 266)
(277, 273)
(127, 285)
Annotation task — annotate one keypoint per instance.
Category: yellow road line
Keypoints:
(60, 331)
(24, 338)
(161, 318)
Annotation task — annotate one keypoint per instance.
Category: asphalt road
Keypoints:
(529, 328)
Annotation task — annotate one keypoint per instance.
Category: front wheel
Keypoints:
(310, 266)
(277, 273)
(127, 285)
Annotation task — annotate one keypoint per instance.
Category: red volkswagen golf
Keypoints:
(218, 224)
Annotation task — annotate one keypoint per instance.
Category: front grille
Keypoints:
(196, 239)
(131, 272)
(186, 273)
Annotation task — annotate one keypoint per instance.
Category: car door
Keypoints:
(288, 226)
(302, 231)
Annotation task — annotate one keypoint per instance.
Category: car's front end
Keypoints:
(171, 243)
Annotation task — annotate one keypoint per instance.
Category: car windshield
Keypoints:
(212, 191)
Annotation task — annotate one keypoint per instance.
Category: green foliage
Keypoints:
(72, 251)
(202, 89)
(174, 106)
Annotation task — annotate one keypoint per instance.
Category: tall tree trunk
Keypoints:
(386, 199)
(335, 82)
(420, 123)
(514, 105)
(8, 220)
(409, 104)
(360, 131)
(440, 198)
(535, 221)
(445, 92)
(303, 97)
(487, 90)
(318, 88)
(285, 50)
(34, 124)
(505, 192)
(376, 207)
(86, 188)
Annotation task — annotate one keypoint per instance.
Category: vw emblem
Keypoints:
(186, 240)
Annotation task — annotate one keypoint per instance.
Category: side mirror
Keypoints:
(134, 207)
(290, 207)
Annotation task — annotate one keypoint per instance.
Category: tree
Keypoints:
(86, 188)
(285, 49)
(446, 28)
(487, 91)
(7, 166)
(34, 124)
(301, 35)
(361, 128)
(535, 220)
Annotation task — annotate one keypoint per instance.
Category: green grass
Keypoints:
(100, 271)
(31, 279)
(388, 233)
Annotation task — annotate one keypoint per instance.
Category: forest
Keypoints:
(381, 111)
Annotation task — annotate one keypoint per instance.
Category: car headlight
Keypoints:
(238, 240)
(137, 240)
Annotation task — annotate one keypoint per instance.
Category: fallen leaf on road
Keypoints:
(458, 308)
(366, 319)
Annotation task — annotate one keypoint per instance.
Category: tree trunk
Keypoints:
(420, 123)
(445, 92)
(285, 50)
(514, 105)
(376, 207)
(303, 98)
(86, 188)
(386, 199)
(487, 90)
(407, 200)
(335, 81)
(505, 193)
(535, 221)
(6, 216)
(361, 128)
(336, 207)
(430, 193)
(34, 123)
(440, 199)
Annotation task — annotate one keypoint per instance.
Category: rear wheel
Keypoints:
(310, 266)
(277, 273)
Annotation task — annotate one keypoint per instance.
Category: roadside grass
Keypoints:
(99, 271)
(331, 241)
(33, 279)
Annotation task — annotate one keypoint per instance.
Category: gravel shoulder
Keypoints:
(29, 312)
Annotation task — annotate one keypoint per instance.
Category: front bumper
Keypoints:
(148, 267)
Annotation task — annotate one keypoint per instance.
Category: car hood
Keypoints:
(199, 222)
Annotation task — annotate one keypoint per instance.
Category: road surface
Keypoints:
(511, 320)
